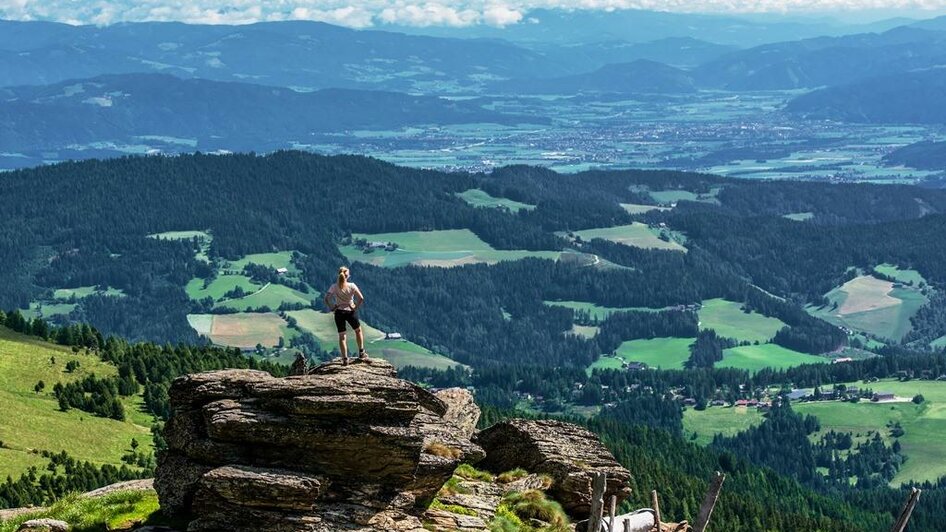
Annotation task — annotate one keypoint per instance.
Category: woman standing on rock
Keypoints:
(344, 298)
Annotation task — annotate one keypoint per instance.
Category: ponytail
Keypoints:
(342, 278)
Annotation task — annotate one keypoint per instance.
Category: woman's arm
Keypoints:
(325, 299)
(359, 298)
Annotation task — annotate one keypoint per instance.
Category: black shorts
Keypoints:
(349, 316)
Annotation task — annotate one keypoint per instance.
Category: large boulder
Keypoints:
(569, 454)
(343, 448)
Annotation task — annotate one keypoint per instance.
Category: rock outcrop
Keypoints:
(343, 448)
(569, 454)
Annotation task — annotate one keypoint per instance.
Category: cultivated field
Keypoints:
(85, 291)
(729, 320)
(634, 208)
(244, 330)
(32, 421)
(800, 216)
(270, 295)
(872, 305)
(912, 277)
(757, 357)
(728, 421)
(398, 352)
(219, 286)
(663, 353)
(447, 248)
(479, 198)
(636, 235)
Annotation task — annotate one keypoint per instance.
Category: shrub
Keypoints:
(471, 473)
(443, 451)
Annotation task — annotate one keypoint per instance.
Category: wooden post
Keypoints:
(901, 523)
(709, 502)
(598, 486)
(627, 526)
(614, 503)
(656, 504)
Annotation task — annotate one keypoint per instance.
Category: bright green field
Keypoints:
(756, 357)
(673, 196)
(33, 421)
(282, 259)
(664, 353)
(84, 291)
(447, 248)
(635, 235)
(479, 198)
(219, 286)
(874, 306)
(939, 343)
(595, 311)
(904, 276)
(398, 352)
(47, 310)
(271, 295)
(726, 420)
(124, 510)
(729, 320)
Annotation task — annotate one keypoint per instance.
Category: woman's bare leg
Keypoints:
(360, 338)
(343, 345)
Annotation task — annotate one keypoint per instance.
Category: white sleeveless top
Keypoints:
(344, 297)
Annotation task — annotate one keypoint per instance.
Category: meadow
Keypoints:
(871, 305)
(596, 312)
(663, 353)
(270, 295)
(480, 198)
(636, 235)
(243, 330)
(31, 421)
(728, 421)
(756, 357)
(446, 248)
(729, 320)
(634, 208)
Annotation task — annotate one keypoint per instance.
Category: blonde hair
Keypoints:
(342, 278)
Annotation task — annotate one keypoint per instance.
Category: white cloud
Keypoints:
(367, 13)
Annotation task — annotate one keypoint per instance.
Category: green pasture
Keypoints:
(219, 286)
(635, 208)
(281, 259)
(663, 353)
(729, 320)
(40, 309)
(204, 237)
(725, 420)
(596, 312)
(64, 294)
(635, 235)
(270, 295)
(446, 248)
(31, 422)
(873, 306)
(756, 357)
(480, 198)
(904, 276)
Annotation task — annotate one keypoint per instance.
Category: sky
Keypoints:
(375, 13)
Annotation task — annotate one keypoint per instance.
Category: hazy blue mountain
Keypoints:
(925, 155)
(825, 61)
(570, 26)
(681, 52)
(935, 24)
(640, 77)
(211, 114)
(312, 55)
(907, 98)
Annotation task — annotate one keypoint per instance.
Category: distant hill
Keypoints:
(681, 52)
(210, 114)
(645, 77)
(312, 55)
(909, 98)
(926, 155)
(825, 61)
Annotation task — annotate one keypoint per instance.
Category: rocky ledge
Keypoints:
(348, 448)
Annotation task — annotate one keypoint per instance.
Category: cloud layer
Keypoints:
(368, 13)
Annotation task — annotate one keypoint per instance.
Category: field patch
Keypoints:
(480, 198)
(636, 208)
(671, 197)
(398, 352)
(636, 235)
(911, 277)
(447, 248)
(198, 289)
(663, 353)
(729, 320)
(725, 420)
(204, 239)
(271, 296)
(65, 294)
(595, 312)
(276, 260)
(756, 357)
(871, 305)
(244, 330)
(799, 216)
(32, 421)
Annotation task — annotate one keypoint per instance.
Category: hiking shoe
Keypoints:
(363, 355)
(344, 361)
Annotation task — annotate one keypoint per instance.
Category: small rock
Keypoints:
(44, 525)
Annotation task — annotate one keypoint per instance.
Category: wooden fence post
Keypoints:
(901, 523)
(709, 502)
(656, 504)
(598, 486)
(611, 510)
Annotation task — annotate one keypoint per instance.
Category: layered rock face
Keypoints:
(344, 448)
(569, 454)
